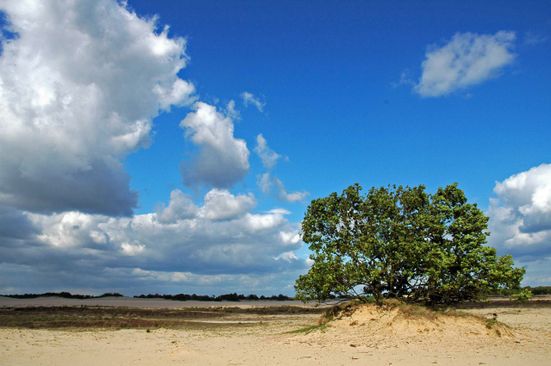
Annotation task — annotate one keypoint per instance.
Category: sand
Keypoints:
(367, 337)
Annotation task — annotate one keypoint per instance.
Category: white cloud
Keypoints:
(268, 156)
(70, 228)
(79, 86)
(466, 60)
(289, 237)
(289, 196)
(520, 214)
(222, 159)
(231, 111)
(287, 256)
(222, 205)
(220, 236)
(180, 207)
(250, 99)
(132, 249)
(264, 182)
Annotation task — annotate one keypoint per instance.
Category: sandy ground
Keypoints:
(364, 338)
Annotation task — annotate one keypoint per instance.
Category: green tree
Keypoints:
(401, 242)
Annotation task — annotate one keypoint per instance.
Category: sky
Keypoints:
(174, 147)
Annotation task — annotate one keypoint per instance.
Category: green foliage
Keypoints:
(401, 242)
(523, 295)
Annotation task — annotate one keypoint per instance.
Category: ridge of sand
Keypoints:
(396, 325)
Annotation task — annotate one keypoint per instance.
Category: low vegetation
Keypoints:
(225, 297)
(177, 297)
(86, 317)
(64, 294)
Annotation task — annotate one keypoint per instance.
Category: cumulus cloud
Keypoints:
(70, 229)
(132, 249)
(180, 206)
(221, 236)
(466, 60)
(219, 245)
(289, 237)
(250, 99)
(222, 159)
(520, 214)
(268, 156)
(222, 205)
(79, 85)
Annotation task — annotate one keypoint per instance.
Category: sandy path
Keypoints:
(169, 347)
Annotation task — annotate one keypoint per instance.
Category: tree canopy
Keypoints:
(401, 242)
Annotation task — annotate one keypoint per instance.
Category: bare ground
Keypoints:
(284, 335)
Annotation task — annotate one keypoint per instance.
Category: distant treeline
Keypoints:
(66, 295)
(225, 297)
(540, 290)
(178, 297)
(536, 290)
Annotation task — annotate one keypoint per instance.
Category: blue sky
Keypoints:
(328, 75)
(374, 92)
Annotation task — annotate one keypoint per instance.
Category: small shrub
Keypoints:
(523, 295)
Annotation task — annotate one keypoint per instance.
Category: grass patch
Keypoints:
(309, 329)
(491, 323)
(128, 318)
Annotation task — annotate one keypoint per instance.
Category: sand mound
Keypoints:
(410, 320)
(398, 324)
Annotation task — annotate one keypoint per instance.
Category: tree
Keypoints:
(401, 242)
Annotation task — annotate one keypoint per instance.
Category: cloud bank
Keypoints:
(79, 86)
(467, 59)
(181, 244)
(520, 214)
(80, 83)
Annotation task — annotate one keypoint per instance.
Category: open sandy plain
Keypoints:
(138, 333)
